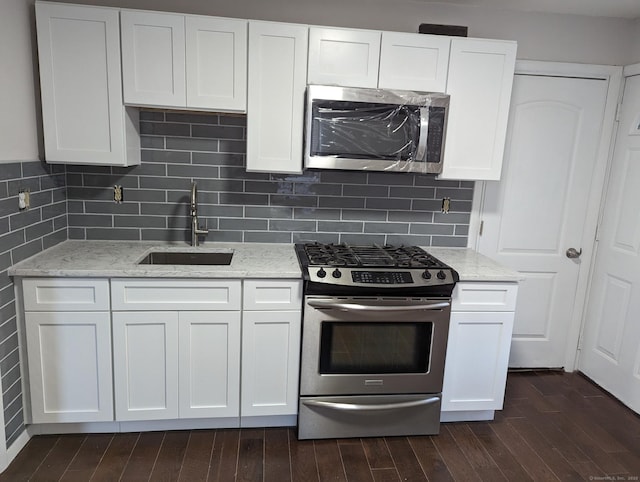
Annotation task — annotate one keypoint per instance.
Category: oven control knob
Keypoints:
(321, 273)
(426, 274)
(336, 273)
(441, 275)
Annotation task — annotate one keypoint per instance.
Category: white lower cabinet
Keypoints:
(168, 349)
(271, 324)
(478, 350)
(69, 355)
(270, 362)
(68, 338)
(170, 365)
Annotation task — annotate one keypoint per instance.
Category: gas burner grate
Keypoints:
(344, 255)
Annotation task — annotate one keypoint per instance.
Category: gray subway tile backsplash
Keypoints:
(334, 206)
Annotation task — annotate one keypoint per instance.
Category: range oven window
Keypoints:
(375, 348)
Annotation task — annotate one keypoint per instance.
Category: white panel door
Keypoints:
(275, 97)
(209, 373)
(145, 365)
(69, 366)
(344, 57)
(79, 57)
(479, 82)
(216, 63)
(538, 210)
(610, 353)
(153, 58)
(270, 362)
(477, 354)
(411, 61)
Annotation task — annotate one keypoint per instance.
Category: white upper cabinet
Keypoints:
(344, 57)
(216, 63)
(153, 58)
(173, 60)
(414, 62)
(275, 102)
(84, 121)
(480, 80)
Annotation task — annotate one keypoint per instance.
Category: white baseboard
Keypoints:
(156, 425)
(271, 421)
(467, 416)
(15, 449)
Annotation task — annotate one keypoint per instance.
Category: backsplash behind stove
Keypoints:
(325, 206)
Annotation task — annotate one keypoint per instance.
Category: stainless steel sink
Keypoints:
(186, 257)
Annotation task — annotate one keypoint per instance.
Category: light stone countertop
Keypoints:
(113, 259)
(473, 266)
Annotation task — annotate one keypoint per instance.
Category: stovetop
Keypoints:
(373, 269)
(372, 256)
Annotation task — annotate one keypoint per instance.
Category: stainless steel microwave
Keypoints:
(375, 129)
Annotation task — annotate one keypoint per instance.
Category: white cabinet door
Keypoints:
(209, 364)
(84, 121)
(70, 373)
(344, 57)
(479, 83)
(145, 357)
(411, 61)
(153, 58)
(275, 97)
(475, 372)
(216, 63)
(270, 362)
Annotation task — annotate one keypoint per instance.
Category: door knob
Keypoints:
(573, 253)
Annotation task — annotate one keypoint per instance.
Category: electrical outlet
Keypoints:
(24, 199)
(446, 205)
(118, 194)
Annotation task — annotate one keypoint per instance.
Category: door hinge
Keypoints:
(618, 110)
(481, 228)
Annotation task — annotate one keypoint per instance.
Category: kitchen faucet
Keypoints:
(195, 230)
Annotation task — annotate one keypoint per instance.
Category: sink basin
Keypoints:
(186, 257)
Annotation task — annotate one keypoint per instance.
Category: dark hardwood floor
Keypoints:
(555, 426)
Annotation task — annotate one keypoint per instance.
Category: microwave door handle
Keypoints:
(424, 134)
(359, 307)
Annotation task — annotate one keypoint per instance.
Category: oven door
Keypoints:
(376, 345)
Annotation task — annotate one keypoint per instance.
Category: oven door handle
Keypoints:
(358, 307)
(360, 407)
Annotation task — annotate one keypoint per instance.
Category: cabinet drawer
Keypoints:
(144, 294)
(484, 297)
(65, 294)
(272, 295)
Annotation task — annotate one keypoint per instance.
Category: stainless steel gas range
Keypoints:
(374, 339)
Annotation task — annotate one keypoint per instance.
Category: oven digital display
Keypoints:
(382, 277)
